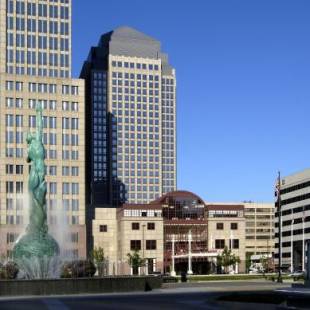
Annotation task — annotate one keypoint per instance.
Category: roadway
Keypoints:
(172, 296)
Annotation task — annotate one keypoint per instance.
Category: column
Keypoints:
(172, 273)
(190, 271)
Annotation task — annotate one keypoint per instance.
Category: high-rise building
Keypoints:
(35, 67)
(295, 219)
(36, 37)
(131, 119)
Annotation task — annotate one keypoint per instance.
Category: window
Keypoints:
(135, 226)
(150, 226)
(103, 228)
(233, 226)
(52, 170)
(151, 244)
(219, 243)
(19, 187)
(66, 188)
(19, 169)
(9, 187)
(135, 245)
(9, 169)
(220, 226)
(235, 243)
(53, 188)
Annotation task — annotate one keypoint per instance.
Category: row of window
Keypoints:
(51, 27)
(18, 204)
(19, 220)
(232, 243)
(67, 188)
(21, 70)
(33, 41)
(45, 104)
(42, 10)
(135, 245)
(42, 88)
(51, 138)
(41, 58)
(233, 226)
(132, 65)
(50, 154)
(66, 204)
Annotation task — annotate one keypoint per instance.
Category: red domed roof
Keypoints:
(178, 194)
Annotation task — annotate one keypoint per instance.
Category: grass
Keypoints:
(221, 277)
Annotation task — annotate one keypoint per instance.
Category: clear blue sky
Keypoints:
(243, 85)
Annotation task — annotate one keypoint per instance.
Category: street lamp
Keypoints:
(143, 267)
(280, 226)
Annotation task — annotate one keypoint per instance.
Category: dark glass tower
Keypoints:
(130, 120)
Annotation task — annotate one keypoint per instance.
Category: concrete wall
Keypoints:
(78, 286)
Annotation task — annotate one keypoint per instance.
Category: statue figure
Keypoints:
(36, 243)
(36, 181)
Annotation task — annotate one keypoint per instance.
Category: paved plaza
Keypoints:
(171, 296)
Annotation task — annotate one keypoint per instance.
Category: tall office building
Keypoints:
(295, 219)
(35, 68)
(36, 38)
(131, 119)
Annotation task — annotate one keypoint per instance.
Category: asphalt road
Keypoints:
(171, 296)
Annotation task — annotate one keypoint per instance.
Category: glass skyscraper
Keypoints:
(130, 119)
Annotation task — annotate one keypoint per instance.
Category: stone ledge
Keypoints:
(79, 285)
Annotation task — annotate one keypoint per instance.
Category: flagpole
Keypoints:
(280, 230)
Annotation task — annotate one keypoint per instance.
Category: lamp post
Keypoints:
(190, 271)
(280, 230)
(143, 267)
(292, 246)
(172, 273)
(303, 240)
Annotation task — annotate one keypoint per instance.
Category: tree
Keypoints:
(226, 259)
(248, 261)
(99, 260)
(135, 261)
(264, 263)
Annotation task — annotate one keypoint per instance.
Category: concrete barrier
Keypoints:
(79, 285)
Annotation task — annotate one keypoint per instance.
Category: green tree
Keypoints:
(99, 260)
(264, 263)
(226, 259)
(135, 261)
(248, 261)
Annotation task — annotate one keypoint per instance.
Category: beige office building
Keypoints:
(35, 52)
(124, 230)
(226, 228)
(259, 228)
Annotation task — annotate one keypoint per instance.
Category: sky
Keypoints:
(243, 85)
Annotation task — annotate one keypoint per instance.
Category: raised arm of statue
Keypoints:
(39, 122)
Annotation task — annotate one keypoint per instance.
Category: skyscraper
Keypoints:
(131, 119)
(38, 38)
(35, 66)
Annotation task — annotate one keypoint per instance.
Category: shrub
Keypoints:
(8, 271)
(78, 269)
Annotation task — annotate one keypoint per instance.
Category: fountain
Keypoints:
(36, 252)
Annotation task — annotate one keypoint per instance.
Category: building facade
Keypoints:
(259, 228)
(132, 227)
(226, 228)
(131, 126)
(36, 76)
(185, 232)
(295, 220)
(36, 38)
